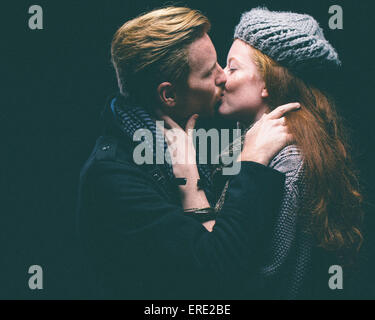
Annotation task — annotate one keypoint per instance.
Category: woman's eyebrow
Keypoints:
(230, 59)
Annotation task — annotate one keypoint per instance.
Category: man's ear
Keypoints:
(167, 94)
(264, 92)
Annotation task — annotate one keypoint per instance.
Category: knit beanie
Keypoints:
(294, 40)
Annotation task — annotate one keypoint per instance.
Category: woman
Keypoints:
(275, 58)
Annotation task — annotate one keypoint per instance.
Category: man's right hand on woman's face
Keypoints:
(268, 136)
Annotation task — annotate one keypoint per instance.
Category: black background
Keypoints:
(54, 84)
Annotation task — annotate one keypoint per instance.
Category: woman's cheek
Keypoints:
(232, 84)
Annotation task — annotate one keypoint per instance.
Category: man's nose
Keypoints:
(221, 78)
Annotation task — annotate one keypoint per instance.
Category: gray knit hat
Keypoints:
(293, 40)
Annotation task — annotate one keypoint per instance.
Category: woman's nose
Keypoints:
(221, 78)
(226, 70)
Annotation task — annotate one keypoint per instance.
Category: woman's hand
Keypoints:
(181, 147)
(183, 156)
(268, 136)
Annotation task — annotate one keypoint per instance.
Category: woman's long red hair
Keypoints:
(335, 200)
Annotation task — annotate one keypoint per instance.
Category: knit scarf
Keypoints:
(133, 118)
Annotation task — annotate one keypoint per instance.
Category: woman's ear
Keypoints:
(264, 93)
(167, 94)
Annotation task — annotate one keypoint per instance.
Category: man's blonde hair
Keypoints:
(153, 48)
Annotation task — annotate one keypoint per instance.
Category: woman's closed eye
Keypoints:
(232, 68)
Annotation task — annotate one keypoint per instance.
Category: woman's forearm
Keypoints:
(194, 198)
(191, 195)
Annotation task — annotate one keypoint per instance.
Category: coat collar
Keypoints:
(122, 118)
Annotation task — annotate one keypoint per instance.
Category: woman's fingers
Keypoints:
(190, 125)
(165, 131)
(169, 134)
(168, 120)
(282, 110)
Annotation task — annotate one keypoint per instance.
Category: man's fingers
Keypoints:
(282, 110)
(281, 121)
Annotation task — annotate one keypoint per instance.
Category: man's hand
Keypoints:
(268, 136)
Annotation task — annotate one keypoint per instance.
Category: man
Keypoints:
(133, 226)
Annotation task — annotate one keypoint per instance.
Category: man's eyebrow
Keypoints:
(212, 68)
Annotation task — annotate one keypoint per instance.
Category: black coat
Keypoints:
(142, 245)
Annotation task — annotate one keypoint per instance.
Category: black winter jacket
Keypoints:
(142, 245)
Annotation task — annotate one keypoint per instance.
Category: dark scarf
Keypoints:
(133, 118)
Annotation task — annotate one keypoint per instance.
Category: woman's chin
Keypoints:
(224, 111)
